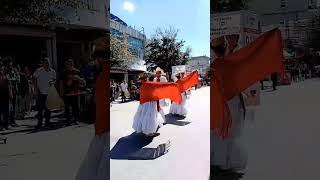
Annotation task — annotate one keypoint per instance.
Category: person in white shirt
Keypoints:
(44, 77)
(124, 89)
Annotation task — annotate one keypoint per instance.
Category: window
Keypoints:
(283, 3)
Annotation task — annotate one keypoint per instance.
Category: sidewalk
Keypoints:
(46, 154)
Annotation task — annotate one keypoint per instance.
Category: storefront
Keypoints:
(118, 75)
(27, 45)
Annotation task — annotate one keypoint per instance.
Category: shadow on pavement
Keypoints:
(216, 174)
(175, 120)
(131, 148)
(30, 129)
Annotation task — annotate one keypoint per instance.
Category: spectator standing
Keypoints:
(14, 79)
(29, 96)
(133, 89)
(72, 84)
(124, 89)
(44, 77)
(4, 98)
(23, 92)
(112, 90)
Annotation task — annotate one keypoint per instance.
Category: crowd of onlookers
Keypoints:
(16, 92)
(125, 91)
(23, 90)
(299, 72)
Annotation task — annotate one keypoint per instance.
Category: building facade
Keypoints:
(293, 17)
(200, 63)
(136, 42)
(29, 43)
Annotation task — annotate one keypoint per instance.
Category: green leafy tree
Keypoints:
(38, 12)
(121, 54)
(164, 50)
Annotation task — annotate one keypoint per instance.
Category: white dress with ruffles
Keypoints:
(230, 153)
(147, 119)
(179, 109)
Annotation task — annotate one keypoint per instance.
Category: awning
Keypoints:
(118, 71)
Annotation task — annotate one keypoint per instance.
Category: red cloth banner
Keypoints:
(153, 91)
(189, 81)
(236, 72)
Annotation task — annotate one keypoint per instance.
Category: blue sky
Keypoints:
(191, 17)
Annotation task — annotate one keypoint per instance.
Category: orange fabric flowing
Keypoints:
(102, 99)
(240, 70)
(188, 81)
(153, 91)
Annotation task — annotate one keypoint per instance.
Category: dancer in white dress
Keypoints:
(179, 109)
(146, 119)
(95, 165)
(229, 153)
(160, 78)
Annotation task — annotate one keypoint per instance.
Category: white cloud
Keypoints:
(129, 6)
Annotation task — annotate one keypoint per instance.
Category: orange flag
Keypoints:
(188, 81)
(153, 91)
(102, 99)
(240, 70)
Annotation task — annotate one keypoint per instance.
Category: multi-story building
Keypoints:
(136, 41)
(293, 17)
(200, 63)
(29, 43)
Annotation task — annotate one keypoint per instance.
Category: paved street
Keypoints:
(44, 155)
(283, 140)
(138, 158)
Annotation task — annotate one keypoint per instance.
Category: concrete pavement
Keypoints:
(44, 155)
(187, 140)
(282, 141)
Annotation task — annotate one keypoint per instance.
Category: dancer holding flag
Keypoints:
(159, 77)
(184, 84)
(146, 119)
(96, 163)
(231, 76)
(179, 109)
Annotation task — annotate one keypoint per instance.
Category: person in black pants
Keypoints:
(44, 78)
(43, 111)
(4, 99)
(274, 78)
(14, 78)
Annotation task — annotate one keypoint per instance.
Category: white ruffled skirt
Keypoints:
(230, 153)
(146, 119)
(95, 166)
(179, 109)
